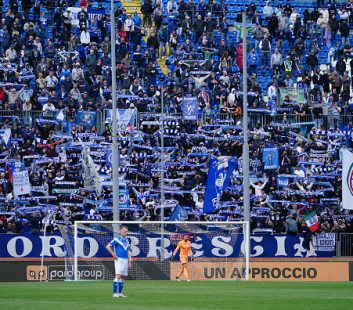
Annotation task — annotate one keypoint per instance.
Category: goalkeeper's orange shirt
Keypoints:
(184, 248)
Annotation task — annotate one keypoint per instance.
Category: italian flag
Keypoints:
(312, 221)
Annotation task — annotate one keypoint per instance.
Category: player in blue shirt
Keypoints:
(119, 248)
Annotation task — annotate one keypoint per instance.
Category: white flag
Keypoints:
(347, 180)
(60, 116)
(21, 185)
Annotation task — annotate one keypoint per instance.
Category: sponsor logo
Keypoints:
(85, 272)
(263, 273)
(350, 179)
(36, 273)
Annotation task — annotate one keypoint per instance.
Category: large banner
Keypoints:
(211, 245)
(190, 108)
(347, 180)
(21, 185)
(295, 95)
(219, 173)
(125, 118)
(267, 271)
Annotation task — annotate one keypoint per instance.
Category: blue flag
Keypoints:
(219, 173)
(179, 214)
(190, 108)
(87, 118)
(270, 158)
(124, 197)
(282, 181)
(109, 156)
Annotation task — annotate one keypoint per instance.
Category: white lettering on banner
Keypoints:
(217, 246)
(84, 272)
(153, 247)
(223, 248)
(93, 247)
(299, 248)
(257, 248)
(21, 185)
(26, 245)
(196, 246)
(134, 241)
(57, 246)
(281, 246)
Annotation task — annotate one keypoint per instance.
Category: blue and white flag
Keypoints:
(5, 135)
(95, 13)
(270, 158)
(282, 181)
(86, 118)
(109, 156)
(219, 173)
(124, 197)
(190, 108)
(347, 180)
(178, 214)
(125, 118)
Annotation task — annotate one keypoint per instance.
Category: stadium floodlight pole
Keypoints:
(246, 179)
(115, 164)
(162, 172)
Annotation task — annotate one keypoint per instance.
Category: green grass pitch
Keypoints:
(170, 295)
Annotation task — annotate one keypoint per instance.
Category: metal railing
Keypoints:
(344, 245)
(254, 118)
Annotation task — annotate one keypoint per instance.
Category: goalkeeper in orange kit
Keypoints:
(185, 250)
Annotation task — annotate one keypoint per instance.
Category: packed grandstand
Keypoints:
(185, 59)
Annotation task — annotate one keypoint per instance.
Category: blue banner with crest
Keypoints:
(270, 158)
(219, 173)
(190, 108)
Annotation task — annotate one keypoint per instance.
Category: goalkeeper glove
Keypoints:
(172, 257)
(192, 258)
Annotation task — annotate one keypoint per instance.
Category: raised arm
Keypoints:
(263, 185)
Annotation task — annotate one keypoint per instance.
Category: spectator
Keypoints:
(85, 37)
(291, 225)
(265, 47)
(147, 11)
(276, 61)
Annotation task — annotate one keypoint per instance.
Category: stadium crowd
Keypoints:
(55, 94)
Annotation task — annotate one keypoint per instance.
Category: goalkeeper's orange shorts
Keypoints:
(183, 259)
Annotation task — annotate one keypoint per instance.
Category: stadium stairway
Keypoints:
(131, 6)
(162, 65)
